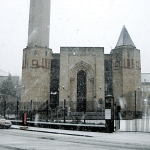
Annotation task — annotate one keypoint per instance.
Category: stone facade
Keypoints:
(36, 74)
(91, 61)
(78, 77)
(48, 76)
(126, 76)
(36, 66)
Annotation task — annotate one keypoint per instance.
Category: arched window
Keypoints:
(81, 91)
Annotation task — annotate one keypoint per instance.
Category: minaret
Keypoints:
(36, 64)
(126, 72)
(39, 23)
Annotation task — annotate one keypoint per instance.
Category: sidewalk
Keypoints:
(126, 137)
(56, 131)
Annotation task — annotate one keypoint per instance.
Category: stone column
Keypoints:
(39, 23)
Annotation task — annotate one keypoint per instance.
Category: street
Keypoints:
(32, 140)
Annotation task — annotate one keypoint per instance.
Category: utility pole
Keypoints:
(4, 104)
(135, 110)
(64, 110)
(47, 110)
(31, 109)
(17, 108)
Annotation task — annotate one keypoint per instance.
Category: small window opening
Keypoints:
(45, 53)
(35, 52)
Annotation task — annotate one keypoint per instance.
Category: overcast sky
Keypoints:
(93, 23)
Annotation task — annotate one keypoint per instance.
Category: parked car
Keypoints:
(4, 123)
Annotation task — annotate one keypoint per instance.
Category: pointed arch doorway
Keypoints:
(81, 91)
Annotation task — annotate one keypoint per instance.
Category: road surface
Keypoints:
(31, 140)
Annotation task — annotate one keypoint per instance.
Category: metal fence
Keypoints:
(42, 111)
(45, 111)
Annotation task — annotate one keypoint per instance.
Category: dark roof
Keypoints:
(125, 39)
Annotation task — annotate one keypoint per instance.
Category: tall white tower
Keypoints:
(39, 23)
(36, 64)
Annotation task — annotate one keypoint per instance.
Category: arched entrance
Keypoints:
(81, 91)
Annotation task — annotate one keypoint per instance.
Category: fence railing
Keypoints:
(42, 111)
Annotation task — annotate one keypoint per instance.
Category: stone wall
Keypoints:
(88, 59)
(126, 75)
(36, 74)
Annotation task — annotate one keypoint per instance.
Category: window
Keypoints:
(106, 85)
(137, 64)
(25, 55)
(45, 53)
(100, 101)
(34, 63)
(128, 63)
(128, 53)
(35, 52)
(25, 63)
(117, 64)
(132, 63)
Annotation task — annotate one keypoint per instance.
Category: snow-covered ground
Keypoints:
(82, 139)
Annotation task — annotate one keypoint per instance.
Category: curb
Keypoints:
(51, 132)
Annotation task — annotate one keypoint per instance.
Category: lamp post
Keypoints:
(4, 107)
(64, 110)
(46, 110)
(135, 110)
(31, 109)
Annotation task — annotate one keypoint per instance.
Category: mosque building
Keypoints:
(82, 76)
